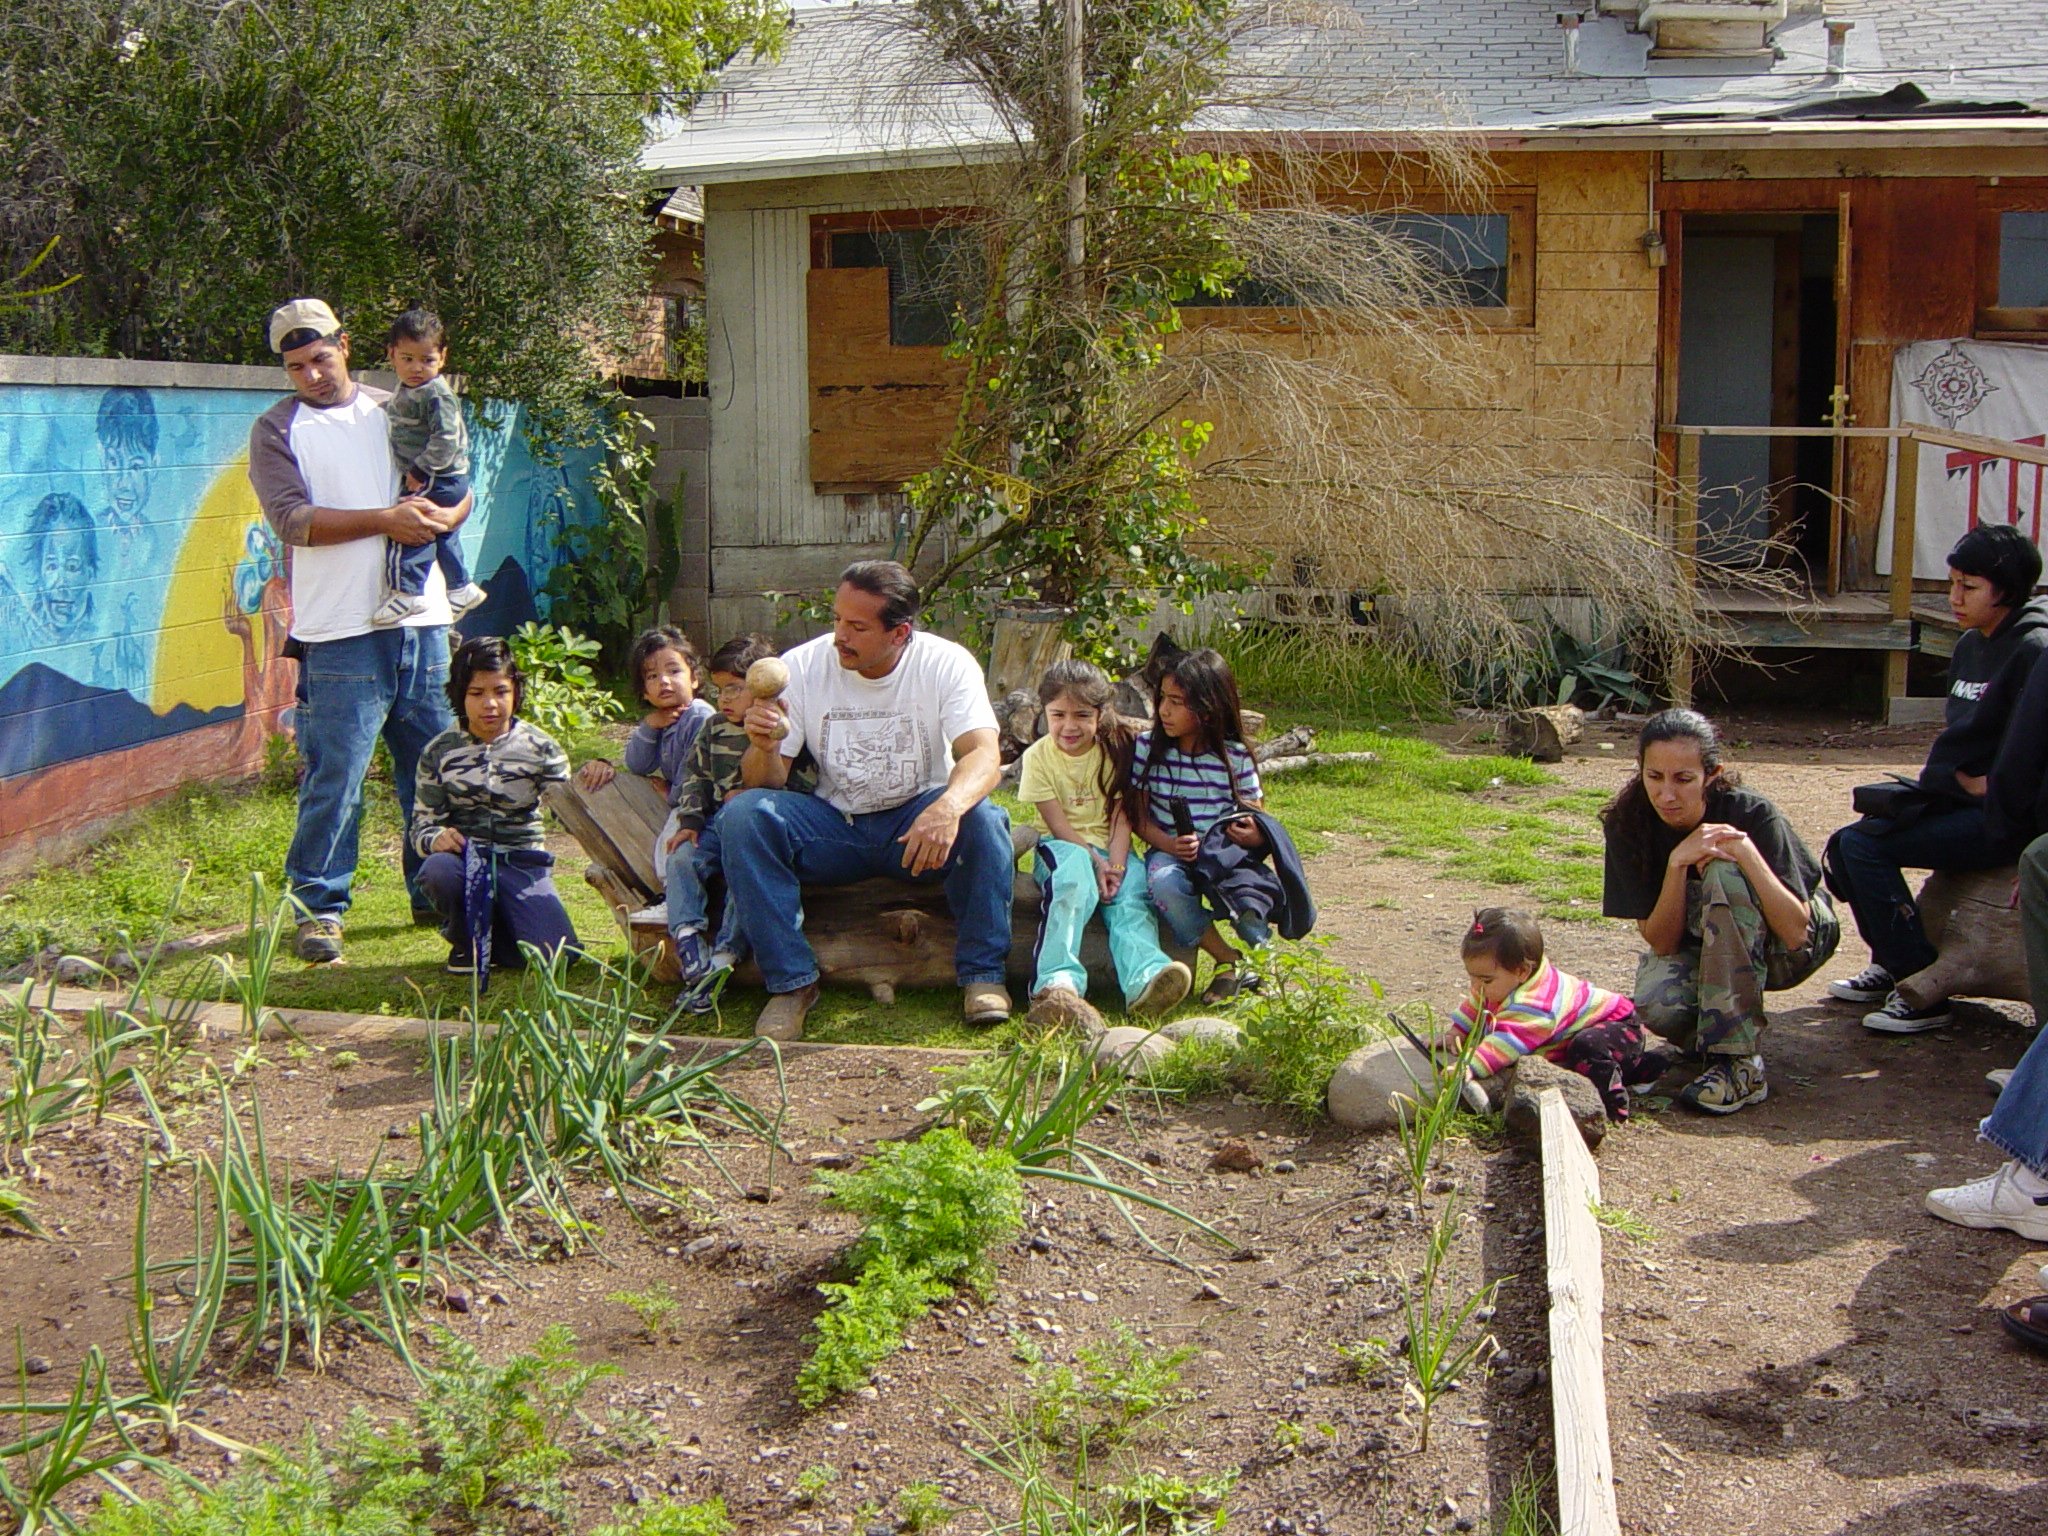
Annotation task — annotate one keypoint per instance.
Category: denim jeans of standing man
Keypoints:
(776, 841)
(1865, 861)
(2018, 1125)
(390, 683)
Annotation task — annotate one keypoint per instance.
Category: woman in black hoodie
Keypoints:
(1992, 572)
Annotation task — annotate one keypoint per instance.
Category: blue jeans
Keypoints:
(1180, 904)
(1864, 861)
(1068, 896)
(2018, 1126)
(406, 565)
(390, 682)
(689, 872)
(776, 841)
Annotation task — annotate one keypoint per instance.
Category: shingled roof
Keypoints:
(851, 93)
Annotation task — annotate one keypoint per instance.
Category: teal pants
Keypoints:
(1067, 897)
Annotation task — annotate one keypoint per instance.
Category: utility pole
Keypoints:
(1073, 101)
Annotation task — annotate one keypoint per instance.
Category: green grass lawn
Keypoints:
(1489, 819)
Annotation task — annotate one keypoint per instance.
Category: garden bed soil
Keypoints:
(1320, 1249)
(1799, 1349)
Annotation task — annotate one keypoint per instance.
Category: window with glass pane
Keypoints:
(2023, 260)
(922, 278)
(1466, 252)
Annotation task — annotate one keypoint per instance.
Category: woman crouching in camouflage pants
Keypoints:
(1725, 894)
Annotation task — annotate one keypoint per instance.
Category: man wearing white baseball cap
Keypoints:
(321, 466)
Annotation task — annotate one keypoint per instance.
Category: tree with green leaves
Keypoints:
(1064, 480)
(198, 161)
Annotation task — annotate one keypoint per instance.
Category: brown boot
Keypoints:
(985, 1003)
(783, 1018)
(1064, 1008)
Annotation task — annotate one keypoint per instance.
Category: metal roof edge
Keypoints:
(870, 162)
(1744, 133)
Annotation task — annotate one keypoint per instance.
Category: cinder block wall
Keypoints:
(682, 466)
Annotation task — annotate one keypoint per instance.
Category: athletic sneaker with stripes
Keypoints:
(2014, 1198)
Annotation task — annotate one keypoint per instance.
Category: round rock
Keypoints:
(1131, 1049)
(1364, 1087)
(1202, 1027)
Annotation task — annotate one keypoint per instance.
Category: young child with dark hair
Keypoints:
(430, 442)
(1522, 1005)
(710, 777)
(1190, 775)
(477, 819)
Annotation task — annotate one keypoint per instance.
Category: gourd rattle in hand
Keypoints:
(766, 679)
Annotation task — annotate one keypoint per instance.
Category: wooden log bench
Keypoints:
(878, 934)
(1975, 930)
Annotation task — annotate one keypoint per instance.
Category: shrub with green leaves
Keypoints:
(561, 695)
(1301, 1024)
(937, 1203)
(665, 1517)
(931, 1209)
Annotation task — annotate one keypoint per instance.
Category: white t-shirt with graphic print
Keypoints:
(881, 742)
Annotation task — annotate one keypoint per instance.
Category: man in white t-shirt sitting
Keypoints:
(906, 745)
(321, 466)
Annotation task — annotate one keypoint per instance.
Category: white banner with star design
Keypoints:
(1991, 389)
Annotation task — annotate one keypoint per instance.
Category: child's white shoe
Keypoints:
(396, 609)
(464, 598)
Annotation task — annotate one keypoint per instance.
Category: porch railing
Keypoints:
(1685, 505)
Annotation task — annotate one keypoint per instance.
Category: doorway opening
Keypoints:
(1757, 348)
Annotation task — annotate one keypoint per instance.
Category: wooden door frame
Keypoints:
(1676, 199)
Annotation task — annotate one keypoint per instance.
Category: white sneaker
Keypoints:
(396, 609)
(1899, 1017)
(2002, 1199)
(1998, 1077)
(465, 597)
(1872, 984)
(655, 916)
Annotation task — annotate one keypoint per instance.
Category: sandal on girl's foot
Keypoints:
(1225, 985)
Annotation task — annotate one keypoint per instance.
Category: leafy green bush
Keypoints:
(562, 695)
(936, 1204)
(484, 1452)
(864, 1323)
(1302, 1022)
(931, 1210)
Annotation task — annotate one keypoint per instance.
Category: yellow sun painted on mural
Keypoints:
(198, 662)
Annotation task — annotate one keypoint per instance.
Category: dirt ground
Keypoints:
(1799, 1350)
(1803, 1349)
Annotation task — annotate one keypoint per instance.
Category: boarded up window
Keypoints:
(883, 393)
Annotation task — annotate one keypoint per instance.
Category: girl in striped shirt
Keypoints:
(1190, 772)
(1522, 1005)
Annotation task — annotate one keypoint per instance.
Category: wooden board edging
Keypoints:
(1578, 1382)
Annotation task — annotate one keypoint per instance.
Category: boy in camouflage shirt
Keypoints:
(710, 777)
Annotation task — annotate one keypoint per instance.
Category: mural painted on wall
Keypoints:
(143, 598)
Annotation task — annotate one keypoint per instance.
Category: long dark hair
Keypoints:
(1631, 821)
(1206, 683)
(1091, 686)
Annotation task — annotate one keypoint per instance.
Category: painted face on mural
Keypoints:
(319, 371)
(126, 426)
(65, 568)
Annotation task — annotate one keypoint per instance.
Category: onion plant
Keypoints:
(42, 1087)
(171, 1367)
(1439, 1350)
(86, 1439)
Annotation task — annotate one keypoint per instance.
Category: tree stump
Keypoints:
(1975, 929)
(1541, 735)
